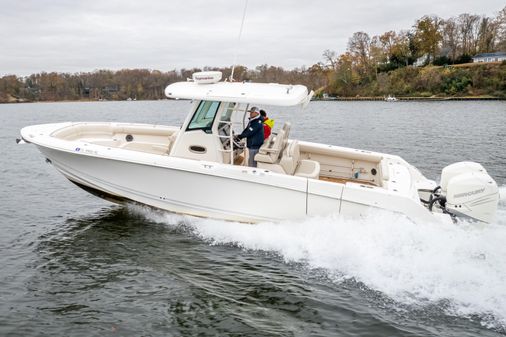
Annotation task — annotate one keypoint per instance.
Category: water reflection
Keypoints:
(103, 265)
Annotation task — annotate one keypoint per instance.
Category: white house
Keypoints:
(422, 60)
(490, 57)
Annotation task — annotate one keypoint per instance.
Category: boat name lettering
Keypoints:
(78, 149)
(468, 194)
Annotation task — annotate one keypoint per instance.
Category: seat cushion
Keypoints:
(308, 169)
(266, 158)
(270, 150)
(291, 157)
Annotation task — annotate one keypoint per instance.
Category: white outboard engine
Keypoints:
(467, 190)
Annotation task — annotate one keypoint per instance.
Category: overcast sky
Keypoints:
(73, 36)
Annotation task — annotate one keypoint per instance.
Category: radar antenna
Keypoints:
(238, 41)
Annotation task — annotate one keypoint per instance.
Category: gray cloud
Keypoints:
(72, 36)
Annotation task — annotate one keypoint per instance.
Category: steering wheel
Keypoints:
(223, 129)
(238, 143)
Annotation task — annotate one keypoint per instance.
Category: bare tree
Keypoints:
(500, 23)
(359, 46)
(487, 35)
(330, 57)
(378, 53)
(469, 27)
(450, 38)
(388, 41)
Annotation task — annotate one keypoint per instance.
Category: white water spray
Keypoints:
(502, 195)
(414, 264)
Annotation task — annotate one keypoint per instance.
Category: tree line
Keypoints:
(376, 65)
(141, 84)
(430, 41)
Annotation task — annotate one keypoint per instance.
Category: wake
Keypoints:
(414, 264)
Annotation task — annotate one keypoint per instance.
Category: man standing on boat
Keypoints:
(254, 134)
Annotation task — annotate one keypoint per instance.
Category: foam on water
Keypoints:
(414, 264)
(502, 196)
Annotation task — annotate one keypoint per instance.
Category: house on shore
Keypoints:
(490, 57)
(422, 60)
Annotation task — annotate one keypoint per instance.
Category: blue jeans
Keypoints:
(251, 157)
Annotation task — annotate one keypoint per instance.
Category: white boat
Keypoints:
(198, 169)
(390, 98)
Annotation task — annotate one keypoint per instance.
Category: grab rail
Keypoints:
(230, 140)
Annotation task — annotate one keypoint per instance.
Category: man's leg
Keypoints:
(251, 157)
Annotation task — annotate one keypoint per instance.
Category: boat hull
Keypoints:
(242, 194)
(183, 191)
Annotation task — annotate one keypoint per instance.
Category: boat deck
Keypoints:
(347, 180)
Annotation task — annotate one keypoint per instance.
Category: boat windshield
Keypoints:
(204, 116)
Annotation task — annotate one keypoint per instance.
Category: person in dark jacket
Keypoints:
(254, 134)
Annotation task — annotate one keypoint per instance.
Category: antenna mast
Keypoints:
(238, 40)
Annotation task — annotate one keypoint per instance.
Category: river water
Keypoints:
(75, 265)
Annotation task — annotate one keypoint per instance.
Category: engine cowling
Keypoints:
(470, 191)
(456, 169)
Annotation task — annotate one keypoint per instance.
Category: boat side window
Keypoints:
(224, 124)
(227, 112)
(204, 116)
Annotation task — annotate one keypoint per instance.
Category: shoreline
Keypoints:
(464, 98)
(329, 99)
(82, 101)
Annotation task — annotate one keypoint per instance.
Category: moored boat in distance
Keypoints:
(199, 169)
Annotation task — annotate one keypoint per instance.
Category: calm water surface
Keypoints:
(75, 265)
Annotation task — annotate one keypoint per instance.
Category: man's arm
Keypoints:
(250, 130)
